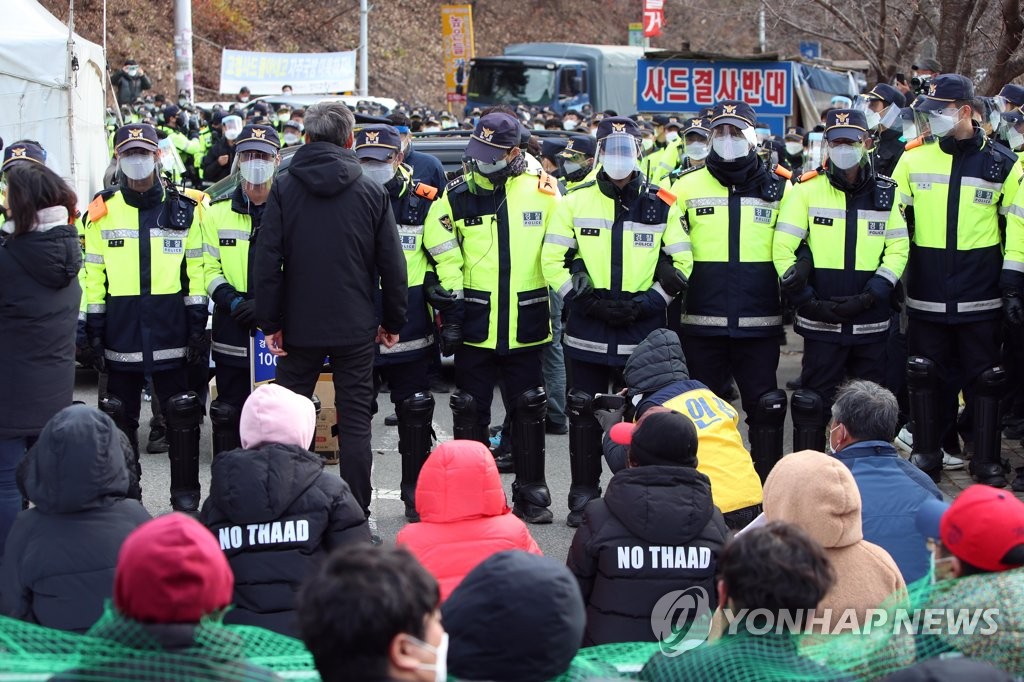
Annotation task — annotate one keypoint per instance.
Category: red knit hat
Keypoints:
(171, 570)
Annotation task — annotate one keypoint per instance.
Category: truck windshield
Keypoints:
(510, 83)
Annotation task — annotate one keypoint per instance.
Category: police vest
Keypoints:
(734, 290)
(227, 236)
(619, 245)
(852, 237)
(720, 452)
(410, 203)
(144, 280)
(486, 245)
(956, 247)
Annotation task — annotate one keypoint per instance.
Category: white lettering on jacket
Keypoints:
(663, 557)
(273, 533)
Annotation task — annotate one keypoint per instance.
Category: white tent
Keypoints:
(52, 91)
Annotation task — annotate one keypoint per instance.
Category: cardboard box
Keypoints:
(326, 437)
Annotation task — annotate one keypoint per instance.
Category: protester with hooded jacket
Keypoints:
(464, 516)
(274, 510)
(58, 566)
(39, 302)
(656, 530)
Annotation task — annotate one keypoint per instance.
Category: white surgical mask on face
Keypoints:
(1014, 139)
(378, 171)
(698, 151)
(570, 124)
(846, 156)
(730, 148)
(138, 167)
(440, 664)
(671, 136)
(256, 171)
(432, 129)
(647, 143)
(942, 124)
(794, 148)
(828, 445)
(491, 168)
(291, 138)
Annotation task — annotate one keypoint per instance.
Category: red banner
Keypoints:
(654, 17)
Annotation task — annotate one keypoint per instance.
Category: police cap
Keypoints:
(697, 126)
(883, 92)
(136, 136)
(580, 144)
(617, 124)
(1014, 116)
(943, 90)
(23, 150)
(550, 147)
(845, 124)
(733, 112)
(493, 136)
(377, 141)
(1013, 93)
(795, 133)
(257, 138)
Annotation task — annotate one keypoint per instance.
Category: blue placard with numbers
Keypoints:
(262, 361)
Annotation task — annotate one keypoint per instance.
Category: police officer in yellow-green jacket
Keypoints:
(175, 127)
(576, 162)
(955, 193)
(230, 229)
(485, 235)
(404, 366)
(733, 318)
(849, 219)
(146, 302)
(601, 255)
(668, 145)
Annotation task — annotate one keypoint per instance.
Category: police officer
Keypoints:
(176, 128)
(693, 152)
(485, 235)
(404, 365)
(230, 229)
(849, 218)
(958, 279)
(576, 162)
(792, 157)
(881, 106)
(601, 255)
(668, 144)
(1010, 98)
(146, 301)
(733, 317)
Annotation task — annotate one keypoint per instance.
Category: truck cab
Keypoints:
(560, 84)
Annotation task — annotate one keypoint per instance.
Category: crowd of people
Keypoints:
(614, 284)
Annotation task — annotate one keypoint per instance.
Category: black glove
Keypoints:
(437, 296)
(1013, 306)
(849, 307)
(582, 286)
(615, 313)
(198, 351)
(244, 312)
(670, 278)
(99, 360)
(795, 278)
(609, 410)
(451, 338)
(820, 311)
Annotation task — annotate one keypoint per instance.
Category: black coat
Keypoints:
(58, 564)
(277, 513)
(39, 300)
(662, 507)
(327, 232)
(213, 171)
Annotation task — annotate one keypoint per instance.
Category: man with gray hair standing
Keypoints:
(328, 236)
(864, 419)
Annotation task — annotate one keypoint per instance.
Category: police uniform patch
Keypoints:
(533, 218)
(115, 243)
(408, 242)
(590, 232)
(763, 215)
(446, 223)
(473, 222)
(643, 240)
(876, 228)
(924, 186)
(227, 242)
(983, 196)
(820, 220)
(174, 246)
(706, 210)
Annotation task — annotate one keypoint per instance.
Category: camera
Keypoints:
(919, 84)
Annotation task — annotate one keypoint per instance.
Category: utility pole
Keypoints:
(364, 47)
(760, 28)
(183, 49)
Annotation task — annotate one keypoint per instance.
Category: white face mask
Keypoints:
(671, 136)
(138, 167)
(829, 448)
(942, 124)
(1014, 139)
(647, 143)
(256, 171)
(291, 138)
(909, 130)
(873, 119)
(730, 148)
(698, 151)
(440, 664)
(570, 124)
(432, 129)
(794, 148)
(491, 168)
(379, 171)
(846, 156)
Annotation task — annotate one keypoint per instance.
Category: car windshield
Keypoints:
(511, 83)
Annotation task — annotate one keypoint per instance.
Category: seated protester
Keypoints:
(818, 494)
(59, 560)
(517, 617)
(274, 509)
(464, 516)
(864, 419)
(979, 564)
(775, 568)
(171, 588)
(371, 614)
(656, 374)
(660, 504)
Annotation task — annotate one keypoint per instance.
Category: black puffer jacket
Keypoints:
(59, 560)
(277, 513)
(39, 298)
(655, 531)
(328, 232)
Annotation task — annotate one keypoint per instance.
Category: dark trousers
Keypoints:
(826, 365)
(712, 360)
(593, 378)
(127, 386)
(405, 379)
(896, 366)
(353, 398)
(233, 385)
(478, 370)
(960, 352)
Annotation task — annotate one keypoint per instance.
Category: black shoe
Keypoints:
(574, 519)
(411, 515)
(186, 503)
(503, 460)
(157, 443)
(556, 429)
(988, 473)
(1018, 481)
(531, 513)
(794, 384)
(929, 464)
(391, 420)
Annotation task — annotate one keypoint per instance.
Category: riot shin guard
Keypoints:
(415, 417)
(584, 454)
(923, 389)
(114, 408)
(224, 419)
(986, 464)
(766, 431)
(184, 417)
(809, 421)
(465, 418)
(530, 497)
